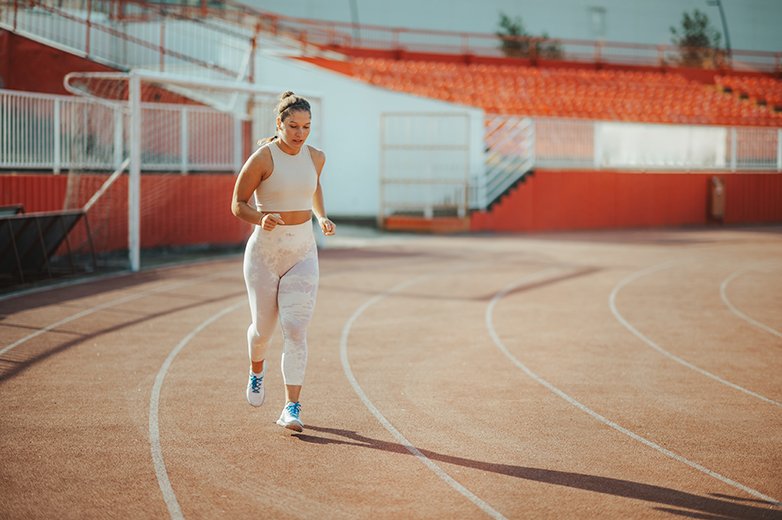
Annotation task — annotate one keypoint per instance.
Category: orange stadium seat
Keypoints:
(644, 96)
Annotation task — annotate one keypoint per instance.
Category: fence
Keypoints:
(510, 153)
(161, 40)
(425, 163)
(580, 143)
(50, 132)
(217, 37)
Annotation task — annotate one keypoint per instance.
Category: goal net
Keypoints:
(153, 162)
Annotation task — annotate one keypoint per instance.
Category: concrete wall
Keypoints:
(351, 129)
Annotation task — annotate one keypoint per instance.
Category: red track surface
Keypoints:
(603, 375)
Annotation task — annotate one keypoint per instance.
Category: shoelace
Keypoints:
(255, 384)
(294, 409)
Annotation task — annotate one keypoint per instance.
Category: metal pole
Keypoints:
(57, 160)
(718, 3)
(354, 19)
(134, 180)
(779, 150)
(733, 148)
(183, 140)
(89, 27)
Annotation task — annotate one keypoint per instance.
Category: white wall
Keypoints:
(350, 136)
(752, 24)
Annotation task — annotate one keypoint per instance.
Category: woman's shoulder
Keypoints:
(318, 158)
(315, 151)
(261, 160)
(263, 153)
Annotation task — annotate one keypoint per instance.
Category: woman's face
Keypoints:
(295, 129)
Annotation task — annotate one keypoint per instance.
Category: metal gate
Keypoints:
(424, 164)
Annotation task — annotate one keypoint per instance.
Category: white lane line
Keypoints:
(102, 306)
(736, 311)
(154, 406)
(343, 354)
(658, 348)
(668, 453)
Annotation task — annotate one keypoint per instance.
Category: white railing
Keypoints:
(50, 132)
(425, 163)
(154, 41)
(580, 143)
(510, 145)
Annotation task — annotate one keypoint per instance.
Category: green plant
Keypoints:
(515, 42)
(698, 41)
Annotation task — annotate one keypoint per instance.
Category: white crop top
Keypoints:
(292, 183)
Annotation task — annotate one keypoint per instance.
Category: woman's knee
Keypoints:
(259, 336)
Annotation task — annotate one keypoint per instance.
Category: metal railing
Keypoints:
(153, 26)
(344, 36)
(580, 143)
(424, 163)
(50, 132)
(162, 40)
(54, 133)
(510, 154)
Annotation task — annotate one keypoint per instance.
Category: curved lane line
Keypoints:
(658, 348)
(154, 407)
(736, 311)
(668, 453)
(343, 354)
(100, 307)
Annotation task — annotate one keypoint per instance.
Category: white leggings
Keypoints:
(281, 273)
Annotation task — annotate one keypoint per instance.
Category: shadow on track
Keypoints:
(687, 504)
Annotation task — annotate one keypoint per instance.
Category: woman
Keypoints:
(281, 259)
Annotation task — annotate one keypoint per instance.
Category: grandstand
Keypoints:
(645, 96)
(517, 144)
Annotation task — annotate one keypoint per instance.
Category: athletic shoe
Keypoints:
(255, 391)
(289, 418)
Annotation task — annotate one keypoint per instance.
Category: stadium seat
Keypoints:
(643, 96)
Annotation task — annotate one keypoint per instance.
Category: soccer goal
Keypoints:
(157, 158)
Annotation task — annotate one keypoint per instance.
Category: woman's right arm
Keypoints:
(250, 176)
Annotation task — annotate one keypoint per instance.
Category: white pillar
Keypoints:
(779, 150)
(118, 142)
(134, 180)
(733, 148)
(238, 140)
(597, 149)
(57, 160)
(183, 138)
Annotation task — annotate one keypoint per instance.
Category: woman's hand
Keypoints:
(270, 221)
(327, 226)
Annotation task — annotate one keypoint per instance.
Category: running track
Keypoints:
(589, 375)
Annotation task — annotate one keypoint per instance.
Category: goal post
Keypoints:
(184, 140)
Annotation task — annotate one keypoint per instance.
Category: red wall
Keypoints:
(566, 200)
(34, 67)
(175, 209)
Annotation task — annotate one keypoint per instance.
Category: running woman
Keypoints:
(281, 258)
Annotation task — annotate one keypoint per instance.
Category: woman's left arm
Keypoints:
(318, 207)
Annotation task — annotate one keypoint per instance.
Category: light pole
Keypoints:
(718, 3)
(354, 19)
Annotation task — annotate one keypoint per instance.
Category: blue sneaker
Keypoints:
(289, 418)
(255, 391)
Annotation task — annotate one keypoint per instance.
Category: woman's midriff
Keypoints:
(293, 217)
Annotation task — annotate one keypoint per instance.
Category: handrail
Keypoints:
(318, 35)
(90, 25)
(337, 35)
